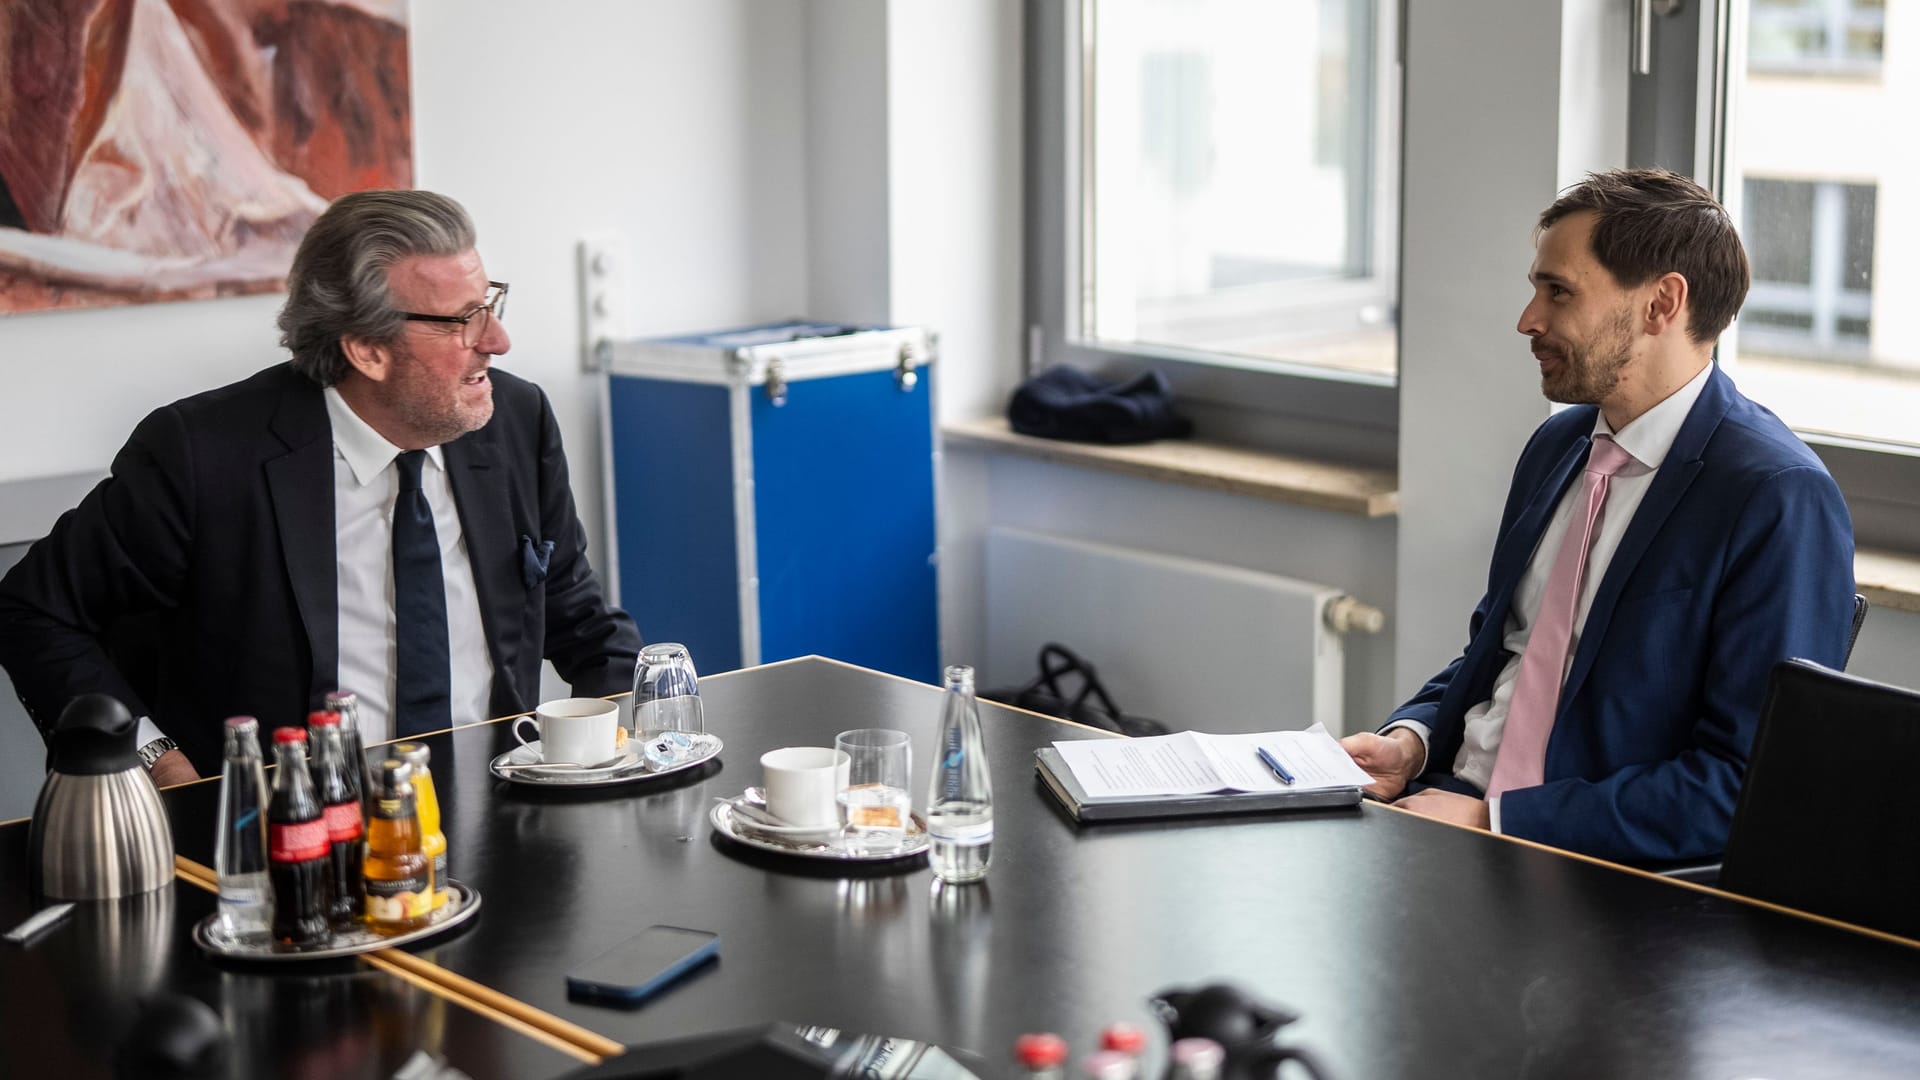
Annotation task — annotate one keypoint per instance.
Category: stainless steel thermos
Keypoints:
(99, 829)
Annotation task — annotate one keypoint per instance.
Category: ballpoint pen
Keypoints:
(1273, 763)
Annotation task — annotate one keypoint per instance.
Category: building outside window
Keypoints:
(1828, 195)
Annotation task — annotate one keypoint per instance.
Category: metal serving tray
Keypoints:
(464, 904)
(741, 831)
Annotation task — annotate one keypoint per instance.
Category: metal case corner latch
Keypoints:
(776, 382)
(905, 373)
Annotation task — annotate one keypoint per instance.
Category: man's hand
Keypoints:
(1449, 806)
(172, 768)
(1392, 759)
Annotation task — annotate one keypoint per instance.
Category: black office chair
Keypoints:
(1853, 634)
(1709, 873)
(1827, 822)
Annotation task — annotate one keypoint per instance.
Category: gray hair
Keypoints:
(338, 284)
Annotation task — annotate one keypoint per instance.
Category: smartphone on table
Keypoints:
(644, 964)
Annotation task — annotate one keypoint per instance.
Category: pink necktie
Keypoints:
(1536, 694)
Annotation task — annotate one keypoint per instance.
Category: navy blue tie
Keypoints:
(423, 681)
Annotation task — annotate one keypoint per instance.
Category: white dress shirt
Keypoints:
(366, 483)
(1647, 439)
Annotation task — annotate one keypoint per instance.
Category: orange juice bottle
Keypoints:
(398, 874)
(433, 842)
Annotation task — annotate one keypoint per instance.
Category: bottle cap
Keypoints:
(1197, 1052)
(242, 725)
(1123, 1037)
(341, 697)
(1109, 1065)
(1040, 1050)
(289, 734)
(394, 775)
(413, 753)
(323, 718)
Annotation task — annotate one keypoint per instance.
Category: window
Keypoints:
(1214, 190)
(1796, 112)
(1234, 196)
(1811, 246)
(1825, 339)
(1817, 37)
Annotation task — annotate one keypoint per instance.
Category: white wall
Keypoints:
(679, 128)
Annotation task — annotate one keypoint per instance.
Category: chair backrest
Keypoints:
(1827, 822)
(1853, 634)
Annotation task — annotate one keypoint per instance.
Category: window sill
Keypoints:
(1888, 579)
(1259, 474)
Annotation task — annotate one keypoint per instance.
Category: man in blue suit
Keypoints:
(1665, 542)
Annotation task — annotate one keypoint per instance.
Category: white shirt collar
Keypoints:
(367, 452)
(1649, 436)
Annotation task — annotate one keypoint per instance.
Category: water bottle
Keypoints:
(960, 798)
(240, 850)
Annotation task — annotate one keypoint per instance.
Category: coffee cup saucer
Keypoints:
(629, 768)
(529, 757)
(752, 814)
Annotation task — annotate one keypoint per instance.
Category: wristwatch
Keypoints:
(151, 752)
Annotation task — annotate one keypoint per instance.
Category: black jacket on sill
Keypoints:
(1066, 403)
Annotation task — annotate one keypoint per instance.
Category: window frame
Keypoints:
(1678, 117)
(1329, 413)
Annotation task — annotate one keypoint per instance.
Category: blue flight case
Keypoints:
(771, 494)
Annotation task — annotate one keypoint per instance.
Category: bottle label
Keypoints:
(398, 899)
(965, 835)
(342, 821)
(301, 841)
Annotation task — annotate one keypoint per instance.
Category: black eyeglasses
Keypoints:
(475, 320)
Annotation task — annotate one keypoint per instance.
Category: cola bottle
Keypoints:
(346, 831)
(297, 846)
(352, 750)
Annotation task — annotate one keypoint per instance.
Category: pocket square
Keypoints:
(534, 556)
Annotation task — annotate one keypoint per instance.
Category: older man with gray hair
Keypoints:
(384, 513)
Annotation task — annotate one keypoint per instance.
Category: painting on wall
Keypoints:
(173, 149)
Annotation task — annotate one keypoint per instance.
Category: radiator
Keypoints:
(1191, 643)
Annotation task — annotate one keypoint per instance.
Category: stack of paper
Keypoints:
(1192, 772)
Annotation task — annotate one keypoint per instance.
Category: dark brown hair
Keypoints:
(1650, 222)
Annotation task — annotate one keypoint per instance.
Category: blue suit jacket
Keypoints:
(1741, 555)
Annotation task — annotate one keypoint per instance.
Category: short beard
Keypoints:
(1590, 374)
(434, 421)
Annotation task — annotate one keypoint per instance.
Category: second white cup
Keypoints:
(583, 731)
(803, 782)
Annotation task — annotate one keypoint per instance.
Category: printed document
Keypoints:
(1195, 763)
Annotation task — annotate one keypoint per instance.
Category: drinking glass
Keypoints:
(667, 717)
(875, 807)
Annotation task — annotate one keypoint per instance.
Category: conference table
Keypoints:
(1408, 947)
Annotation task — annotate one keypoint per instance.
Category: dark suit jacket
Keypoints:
(215, 529)
(1740, 555)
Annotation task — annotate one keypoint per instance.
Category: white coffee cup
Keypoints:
(583, 731)
(802, 782)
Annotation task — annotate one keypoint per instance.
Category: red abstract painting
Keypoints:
(172, 149)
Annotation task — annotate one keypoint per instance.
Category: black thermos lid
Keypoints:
(94, 737)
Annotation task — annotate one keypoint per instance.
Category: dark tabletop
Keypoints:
(69, 998)
(1408, 947)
